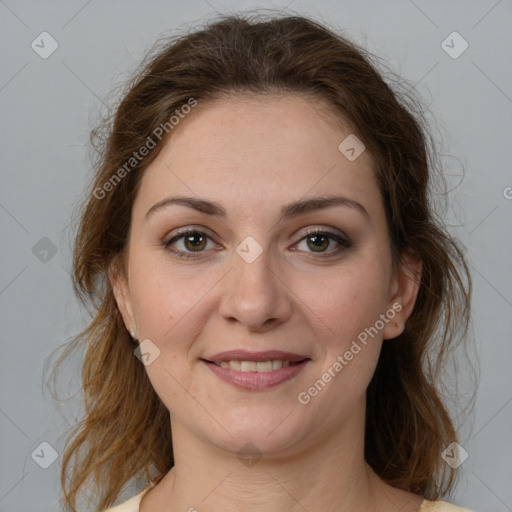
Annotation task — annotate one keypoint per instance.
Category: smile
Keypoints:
(256, 366)
(256, 375)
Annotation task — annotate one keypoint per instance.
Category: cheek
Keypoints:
(165, 306)
(347, 301)
(165, 298)
(348, 350)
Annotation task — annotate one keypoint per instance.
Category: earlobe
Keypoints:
(404, 291)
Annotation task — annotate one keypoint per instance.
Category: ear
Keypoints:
(403, 292)
(119, 282)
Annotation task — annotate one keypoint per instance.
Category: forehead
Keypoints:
(259, 150)
(264, 125)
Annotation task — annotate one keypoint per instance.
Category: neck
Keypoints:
(330, 475)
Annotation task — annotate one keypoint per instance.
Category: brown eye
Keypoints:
(187, 243)
(195, 242)
(318, 242)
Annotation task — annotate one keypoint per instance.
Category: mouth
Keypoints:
(256, 366)
(256, 371)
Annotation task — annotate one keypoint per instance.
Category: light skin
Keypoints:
(252, 156)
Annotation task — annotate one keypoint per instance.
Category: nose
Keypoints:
(255, 295)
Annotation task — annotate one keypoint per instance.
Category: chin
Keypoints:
(275, 434)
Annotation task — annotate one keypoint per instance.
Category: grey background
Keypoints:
(48, 107)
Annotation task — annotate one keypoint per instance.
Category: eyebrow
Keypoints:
(289, 211)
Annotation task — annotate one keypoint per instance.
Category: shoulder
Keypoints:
(440, 506)
(131, 505)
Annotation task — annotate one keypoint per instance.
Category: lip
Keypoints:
(251, 355)
(256, 381)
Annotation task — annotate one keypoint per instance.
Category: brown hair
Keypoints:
(125, 432)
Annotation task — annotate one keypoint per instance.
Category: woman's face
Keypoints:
(257, 277)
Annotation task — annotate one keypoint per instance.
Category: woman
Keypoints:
(269, 280)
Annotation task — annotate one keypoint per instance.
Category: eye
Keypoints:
(191, 241)
(319, 241)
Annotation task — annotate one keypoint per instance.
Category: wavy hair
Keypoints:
(125, 430)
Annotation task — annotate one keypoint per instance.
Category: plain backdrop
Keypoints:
(49, 102)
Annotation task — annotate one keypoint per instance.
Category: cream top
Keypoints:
(132, 505)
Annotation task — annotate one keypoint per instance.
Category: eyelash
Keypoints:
(344, 243)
